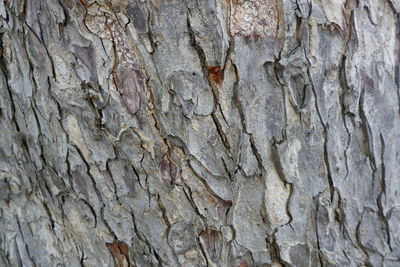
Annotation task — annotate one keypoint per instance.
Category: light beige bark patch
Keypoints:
(259, 18)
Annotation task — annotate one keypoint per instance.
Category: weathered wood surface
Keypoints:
(199, 133)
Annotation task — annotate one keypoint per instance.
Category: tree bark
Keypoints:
(199, 133)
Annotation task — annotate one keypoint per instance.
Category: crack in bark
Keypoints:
(368, 137)
(23, 240)
(214, 89)
(237, 102)
(281, 174)
(382, 194)
(345, 88)
(325, 134)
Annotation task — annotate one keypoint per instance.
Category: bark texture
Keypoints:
(199, 133)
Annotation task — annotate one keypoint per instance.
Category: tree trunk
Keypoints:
(199, 133)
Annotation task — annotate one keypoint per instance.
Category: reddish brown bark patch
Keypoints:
(129, 83)
(211, 240)
(216, 75)
(120, 252)
(169, 170)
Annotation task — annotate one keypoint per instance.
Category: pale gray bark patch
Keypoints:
(199, 133)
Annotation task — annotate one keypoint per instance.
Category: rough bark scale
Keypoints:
(194, 133)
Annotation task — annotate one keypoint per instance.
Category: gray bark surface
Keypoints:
(199, 133)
